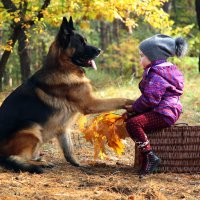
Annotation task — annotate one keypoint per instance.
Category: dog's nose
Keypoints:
(98, 51)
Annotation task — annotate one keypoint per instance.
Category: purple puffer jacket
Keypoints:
(161, 88)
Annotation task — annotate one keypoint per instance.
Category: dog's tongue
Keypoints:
(93, 64)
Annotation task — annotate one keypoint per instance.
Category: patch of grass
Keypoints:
(191, 100)
(102, 78)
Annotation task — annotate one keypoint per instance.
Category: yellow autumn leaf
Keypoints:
(17, 19)
(82, 122)
(102, 155)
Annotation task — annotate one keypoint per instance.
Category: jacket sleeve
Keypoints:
(152, 94)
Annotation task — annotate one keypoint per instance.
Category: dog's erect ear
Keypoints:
(66, 26)
(64, 33)
(71, 24)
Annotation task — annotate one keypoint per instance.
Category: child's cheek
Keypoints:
(142, 62)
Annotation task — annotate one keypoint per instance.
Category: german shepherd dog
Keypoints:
(45, 106)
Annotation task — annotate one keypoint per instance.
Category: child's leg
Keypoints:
(138, 125)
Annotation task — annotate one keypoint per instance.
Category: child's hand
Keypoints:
(125, 116)
(129, 108)
(128, 115)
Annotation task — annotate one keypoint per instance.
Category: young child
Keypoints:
(161, 87)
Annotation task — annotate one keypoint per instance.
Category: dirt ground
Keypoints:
(110, 179)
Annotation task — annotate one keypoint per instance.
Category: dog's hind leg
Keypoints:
(38, 160)
(66, 144)
(17, 152)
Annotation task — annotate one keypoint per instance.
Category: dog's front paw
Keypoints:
(129, 102)
(48, 165)
(74, 162)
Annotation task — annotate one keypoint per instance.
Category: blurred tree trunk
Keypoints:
(43, 51)
(103, 35)
(24, 57)
(6, 54)
(1, 38)
(116, 36)
(197, 5)
(40, 54)
(110, 33)
(175, 9)
(190, 3)
(17, 29)
(116, 31)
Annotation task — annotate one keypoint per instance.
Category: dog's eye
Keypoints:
(83, 42)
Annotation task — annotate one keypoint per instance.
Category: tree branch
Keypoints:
(10, 6)
(40, 14)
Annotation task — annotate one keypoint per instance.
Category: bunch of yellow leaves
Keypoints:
(106, 128)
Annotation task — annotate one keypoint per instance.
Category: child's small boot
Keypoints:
(150, 162)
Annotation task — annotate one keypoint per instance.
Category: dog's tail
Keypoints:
(12, 163)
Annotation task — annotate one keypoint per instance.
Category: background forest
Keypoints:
(27, 28)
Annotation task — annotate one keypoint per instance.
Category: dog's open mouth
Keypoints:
(92, 64)
(85, 62)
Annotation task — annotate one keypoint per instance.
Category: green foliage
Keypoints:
(190, 99)
(123, 57)
(194, 44)
(188, 65)
(184, 16)
(98, 76)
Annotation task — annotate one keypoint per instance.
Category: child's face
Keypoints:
(144, 61)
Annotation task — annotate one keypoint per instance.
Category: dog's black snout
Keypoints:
(92, 51)
(98, 51)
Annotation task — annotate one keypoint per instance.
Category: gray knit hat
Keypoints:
(162, 47)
